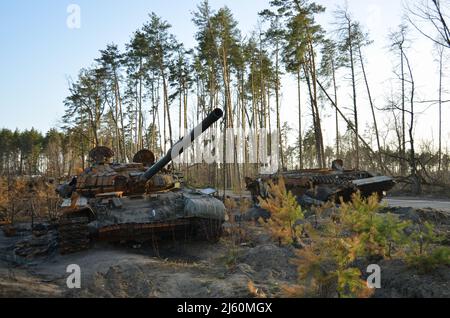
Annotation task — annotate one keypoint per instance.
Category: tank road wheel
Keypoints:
(209, 230)
(73, 234)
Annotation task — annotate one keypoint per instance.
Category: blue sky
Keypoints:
(39, 53)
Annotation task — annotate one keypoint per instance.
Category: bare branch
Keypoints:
(433, 15)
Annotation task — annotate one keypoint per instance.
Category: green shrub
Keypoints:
(428, 262)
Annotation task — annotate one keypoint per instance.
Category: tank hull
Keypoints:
(174, 215)
(317, 186)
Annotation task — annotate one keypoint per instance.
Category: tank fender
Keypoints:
(204, 207)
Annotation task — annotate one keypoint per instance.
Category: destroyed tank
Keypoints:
(318, 186)
(138, 201)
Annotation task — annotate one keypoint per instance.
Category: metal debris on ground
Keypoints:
(42, 241)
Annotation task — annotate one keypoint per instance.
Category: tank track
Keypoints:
(73, 234)
(196, 228)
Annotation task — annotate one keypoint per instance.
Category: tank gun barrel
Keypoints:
(183, 144)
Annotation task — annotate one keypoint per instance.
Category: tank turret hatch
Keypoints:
(101, 155)
(144, 156)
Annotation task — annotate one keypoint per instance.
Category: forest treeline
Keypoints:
(153, 92)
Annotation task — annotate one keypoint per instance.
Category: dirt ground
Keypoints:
(175, 269)
(199, 269)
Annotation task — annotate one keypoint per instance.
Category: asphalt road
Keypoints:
(419, 203)
(403, 202)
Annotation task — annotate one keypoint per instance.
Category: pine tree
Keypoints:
(86, 104)
(137, 73)
(112, 60)
(275, 37)
(301, 36)
(220, 41)
(161, 47)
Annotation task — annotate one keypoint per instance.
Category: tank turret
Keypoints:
(103, 178)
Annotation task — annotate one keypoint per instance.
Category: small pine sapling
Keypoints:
(424, 254)
(284, 213)
(379, 234)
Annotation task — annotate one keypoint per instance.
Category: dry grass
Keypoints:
(21, 198)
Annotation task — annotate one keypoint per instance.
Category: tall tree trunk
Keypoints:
(300, 137)
(185, 105)
(355, 109)
(417, 187)
(441, 53)
(166, 106)
(116, 123)
(228, 114)
(269, 116)
(140, 123)
(372, 108)
(180, 111)
(153, 110)
(319, 123)
(314, 115)
(277, 101)
(338, 146)
(122, 129)
(403, 148)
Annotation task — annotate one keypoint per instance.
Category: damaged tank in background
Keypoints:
(318, 186)
(139, 201)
